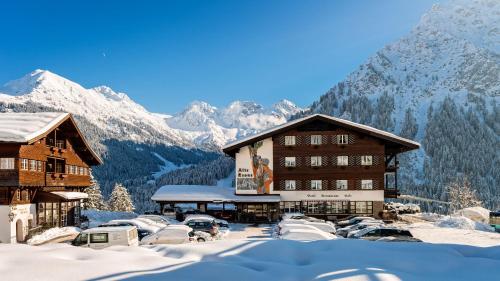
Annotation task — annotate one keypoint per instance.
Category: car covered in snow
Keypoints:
(174, 235)
(401, 208)
(344, 231)
(220, 223)
(207, 225)
(143, 229)
(103, 237)
(323, 226)
(158, 218)
(353, 220)
(305, 235)
(151, 222)
(374, 233)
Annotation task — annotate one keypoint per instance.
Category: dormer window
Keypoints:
(342, 139)
(289, 140)
(315, 139)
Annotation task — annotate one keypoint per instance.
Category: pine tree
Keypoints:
(461, 195)
(95, 199)
(120, 200)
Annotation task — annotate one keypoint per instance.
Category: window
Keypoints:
(99, 238)
(32, 165)
(39, 166)
(342, 160)
(366, 160)
(316, 184)
(290, 185)
(316, 139)
(41, 213)
(6, 163)
(314, 207)
(362, 207)
(342, 184)
(366, 184)
(290, 207)
(289, 140)
(81, 170)
(315, 161)
(339, 207)
(342, 139)
(60, 144)
(24, 164)
(290, 162)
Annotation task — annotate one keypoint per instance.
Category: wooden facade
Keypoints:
(328, 168)
(58, 159)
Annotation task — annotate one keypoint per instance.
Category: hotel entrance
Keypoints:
(258, 212)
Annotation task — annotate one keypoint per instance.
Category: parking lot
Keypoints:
(250, 231)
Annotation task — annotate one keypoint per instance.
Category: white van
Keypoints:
(102, 237)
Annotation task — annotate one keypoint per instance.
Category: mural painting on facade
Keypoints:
(262, 174)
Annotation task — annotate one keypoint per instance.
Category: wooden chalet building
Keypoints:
(318, 165)
(44, 169)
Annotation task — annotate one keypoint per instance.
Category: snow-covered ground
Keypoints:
(248, 252)
(244, 259)
(56, 234)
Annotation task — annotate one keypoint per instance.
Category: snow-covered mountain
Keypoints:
(200, 125)
(440, 85)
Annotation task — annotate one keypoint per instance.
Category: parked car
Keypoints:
(323, 226)
(181, 215)
(344, 232)
(373, 233)
(174, 235)
(102, 237)
(151, 222)
(143, 229)
(203, 224)
(354, 220)
(220, 223)
(306, 235)
(398, 239)
(157, 218)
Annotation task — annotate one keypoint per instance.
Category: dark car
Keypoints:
(376, 233)
(209, 226)
(141, 233)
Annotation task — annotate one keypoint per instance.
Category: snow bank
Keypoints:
(243, 260)
(461, 222)
(54, 234)
(477, 214)
(97, 217)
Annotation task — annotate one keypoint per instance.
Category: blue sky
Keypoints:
(165, 54)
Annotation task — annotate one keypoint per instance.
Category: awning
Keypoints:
(205, 193)
(71, 195)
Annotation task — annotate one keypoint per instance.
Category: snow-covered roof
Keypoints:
(71, 195)
(205, 193)
(23, 127)
(269, 132)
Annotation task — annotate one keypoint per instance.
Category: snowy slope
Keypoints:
(452, 54)
(199, 125)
